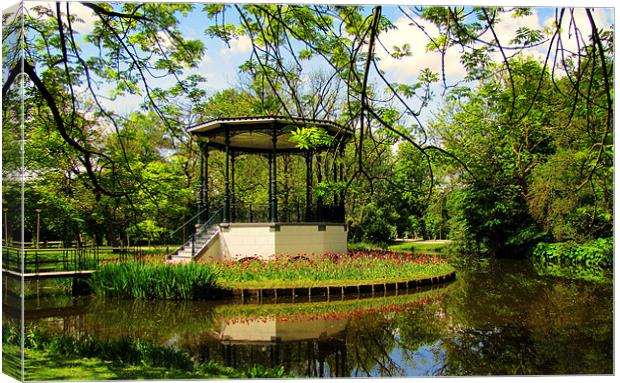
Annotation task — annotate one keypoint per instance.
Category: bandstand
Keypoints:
(239, 230)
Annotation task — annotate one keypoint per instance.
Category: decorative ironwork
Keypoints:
(289, 213)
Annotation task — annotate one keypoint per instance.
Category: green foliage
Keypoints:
(595, 253)
(149, 281)
(11, 333)
(375, 226)
(525, 179)
(307, 138)
(496, 220)
(573, 271)
(228, 103)
(328, 191)
(261, 371)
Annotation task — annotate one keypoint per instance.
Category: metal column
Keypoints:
(226, 215)
(273, 206)
(205, 183)
(232, 184)
(308, 186)
(201, 192)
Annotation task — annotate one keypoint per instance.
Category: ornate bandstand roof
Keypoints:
(255, 134)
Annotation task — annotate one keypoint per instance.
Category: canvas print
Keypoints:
(245, 190)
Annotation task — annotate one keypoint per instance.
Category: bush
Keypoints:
(377, 225)
(11, 333)
(598, 252)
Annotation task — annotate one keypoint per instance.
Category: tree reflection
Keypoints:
(510, 321)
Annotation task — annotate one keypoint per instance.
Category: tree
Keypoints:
(131, 40)
(522, 186)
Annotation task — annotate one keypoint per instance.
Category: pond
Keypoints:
(499, 317)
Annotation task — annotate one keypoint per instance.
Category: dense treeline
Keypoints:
(537, 180)
(546, 177)
(523, 154)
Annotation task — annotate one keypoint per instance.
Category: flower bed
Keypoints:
(353, 268)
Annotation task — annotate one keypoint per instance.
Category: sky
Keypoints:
(220, 62)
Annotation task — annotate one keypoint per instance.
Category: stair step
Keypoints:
(184, 253)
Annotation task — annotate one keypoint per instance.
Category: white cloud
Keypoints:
(506, 30)
(218, 76)
(85, 15)
(239, 45)
(603, 18)
(507, 27)
(164, 40)
(408, 68)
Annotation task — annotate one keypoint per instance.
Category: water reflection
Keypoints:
(498, 317)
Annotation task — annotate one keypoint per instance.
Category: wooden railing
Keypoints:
(40, 260)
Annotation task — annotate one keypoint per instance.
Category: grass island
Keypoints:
(355, 271)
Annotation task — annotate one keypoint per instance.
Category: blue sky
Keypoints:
(220, 62)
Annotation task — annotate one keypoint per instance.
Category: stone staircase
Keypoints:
(205, 235)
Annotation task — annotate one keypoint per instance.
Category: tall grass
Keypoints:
(152, 281)
(127, 352)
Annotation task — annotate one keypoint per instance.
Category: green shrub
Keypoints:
(11, 333)
(376, 226)
(149, 281)
(595, 253)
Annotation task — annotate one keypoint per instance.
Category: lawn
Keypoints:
(42, 365)
(420, 247)
(58, 259)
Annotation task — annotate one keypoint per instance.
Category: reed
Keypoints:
(138, 280)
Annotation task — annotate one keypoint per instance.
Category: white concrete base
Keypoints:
(266, 240)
